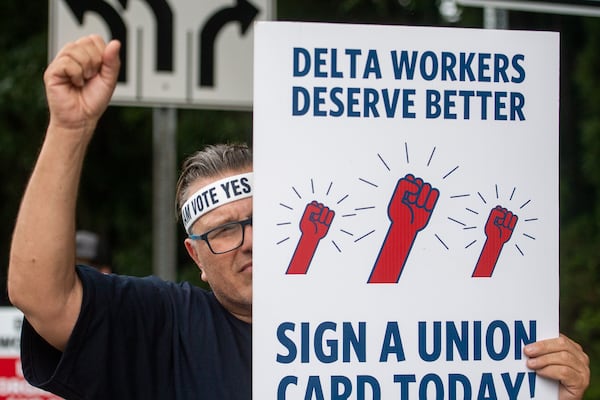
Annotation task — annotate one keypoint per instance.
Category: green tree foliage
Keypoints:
(116, 191)
(22, 105)
(580, 240)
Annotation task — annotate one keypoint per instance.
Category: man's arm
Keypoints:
(42, 281)
(563, 360)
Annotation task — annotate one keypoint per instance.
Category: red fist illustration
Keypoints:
(316, 220)
(498, 230)
(409, 210)
(314, 226)
(412, 203)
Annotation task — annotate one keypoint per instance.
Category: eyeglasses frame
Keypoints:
(204, 236)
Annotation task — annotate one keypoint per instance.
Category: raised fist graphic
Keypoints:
(314, 225)
(498, 230)
(409, 211)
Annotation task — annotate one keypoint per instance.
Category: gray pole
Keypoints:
(164, 233)
(495, 18)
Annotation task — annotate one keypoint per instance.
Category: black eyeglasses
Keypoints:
(225, 238)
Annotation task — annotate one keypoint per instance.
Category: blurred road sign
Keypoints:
(183, 53)
(588, 8)
(13, 385)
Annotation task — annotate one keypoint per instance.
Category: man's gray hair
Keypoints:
(211, 162)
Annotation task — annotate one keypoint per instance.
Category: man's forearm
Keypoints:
(41, 276)
(42, 280)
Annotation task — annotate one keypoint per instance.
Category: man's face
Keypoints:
(229, 274)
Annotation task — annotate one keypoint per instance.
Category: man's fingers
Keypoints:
(548, 346)
(558, 358)
(89, 56)
(563, 360)
(562, 366)
(111, 61)
(65, 69)
(570, 378)
(78, 61)
(91, 49)
(563, 343)
(572, 381)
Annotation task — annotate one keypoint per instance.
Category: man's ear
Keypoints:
(193, 252)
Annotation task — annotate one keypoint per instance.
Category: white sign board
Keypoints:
(183, 53)
(13, 385)
(406, 211)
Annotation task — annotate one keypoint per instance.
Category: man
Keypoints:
(90, 335)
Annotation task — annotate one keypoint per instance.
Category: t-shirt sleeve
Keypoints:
(119, 316)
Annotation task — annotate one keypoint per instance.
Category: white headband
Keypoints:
(216, 194)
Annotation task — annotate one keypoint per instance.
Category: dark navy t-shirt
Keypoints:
(144, 338)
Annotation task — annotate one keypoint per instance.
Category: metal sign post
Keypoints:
(495, 18)
(164, 232)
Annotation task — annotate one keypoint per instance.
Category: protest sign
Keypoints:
(405, 211)
(13, 385)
